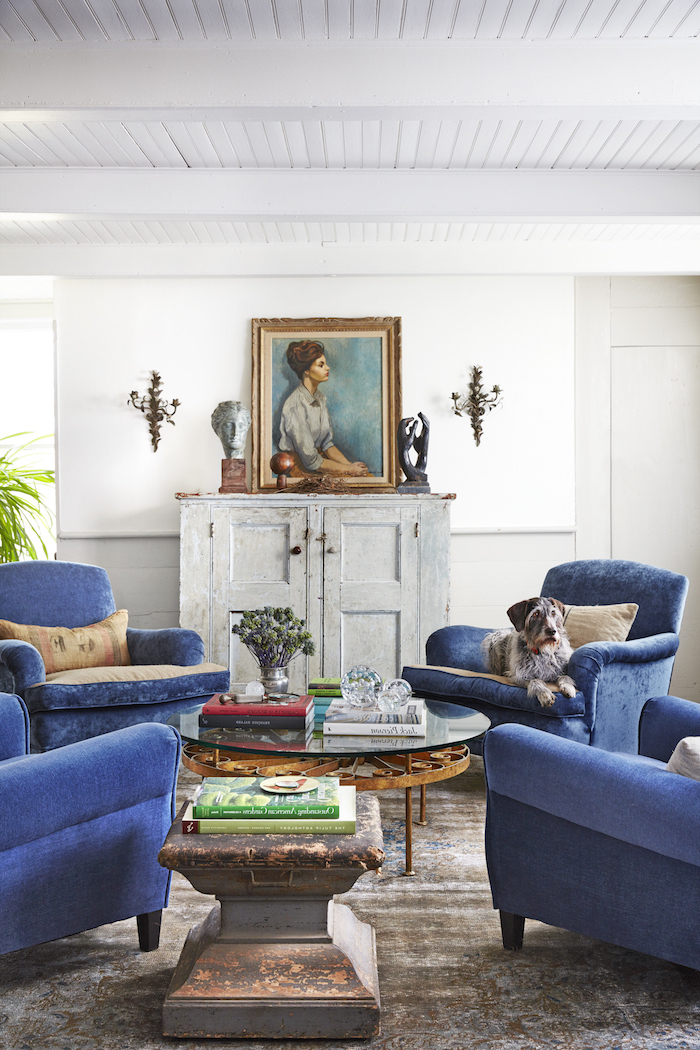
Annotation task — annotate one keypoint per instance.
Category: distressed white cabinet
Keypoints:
(369, 574)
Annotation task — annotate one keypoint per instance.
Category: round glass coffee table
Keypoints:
(368, 763)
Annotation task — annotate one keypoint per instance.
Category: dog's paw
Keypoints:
(567, 687)
(538, 689)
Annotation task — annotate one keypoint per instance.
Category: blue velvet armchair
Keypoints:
(80, 831)
(614, 679)
(166, 672)
(602, 844)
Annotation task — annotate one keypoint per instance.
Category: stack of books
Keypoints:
(343, 720)
(270, 805)
(323, 691)
(288, 719)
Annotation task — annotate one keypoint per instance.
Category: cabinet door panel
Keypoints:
(370, 593)
(253, 566)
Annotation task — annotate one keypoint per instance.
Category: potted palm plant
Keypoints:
(24, 512)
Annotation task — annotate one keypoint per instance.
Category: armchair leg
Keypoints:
(149, 930)
(512, 928)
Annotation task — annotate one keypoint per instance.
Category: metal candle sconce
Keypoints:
(155, 409)
(477, 402)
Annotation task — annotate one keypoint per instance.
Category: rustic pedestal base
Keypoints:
(233, 475)
(278, 958)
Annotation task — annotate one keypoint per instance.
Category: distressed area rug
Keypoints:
(445, 981)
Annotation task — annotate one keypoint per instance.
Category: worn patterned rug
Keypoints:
(445, 981)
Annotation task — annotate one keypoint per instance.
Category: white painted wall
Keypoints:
(537, 492)
(196, 333)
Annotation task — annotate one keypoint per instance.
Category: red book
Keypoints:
(223, 704)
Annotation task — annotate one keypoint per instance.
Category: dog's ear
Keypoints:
(517, 614)
(560, 605)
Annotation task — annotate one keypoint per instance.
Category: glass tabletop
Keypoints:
(446, 724)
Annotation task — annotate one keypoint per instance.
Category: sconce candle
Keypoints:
(477, 402)
(155, 409)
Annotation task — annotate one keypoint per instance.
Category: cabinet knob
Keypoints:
(296, 550)
(331, 550)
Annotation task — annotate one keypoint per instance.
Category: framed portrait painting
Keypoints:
(327, 391)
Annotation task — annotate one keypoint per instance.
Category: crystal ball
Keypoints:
(359, 686)
(393, 695)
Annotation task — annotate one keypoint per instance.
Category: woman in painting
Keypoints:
(305, 426)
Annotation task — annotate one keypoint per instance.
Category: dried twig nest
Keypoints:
(322, 483)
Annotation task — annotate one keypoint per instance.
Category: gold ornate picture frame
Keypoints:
(344, 418)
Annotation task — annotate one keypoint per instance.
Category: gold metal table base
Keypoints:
(366, 773)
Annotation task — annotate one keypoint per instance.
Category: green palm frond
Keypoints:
(23, 510)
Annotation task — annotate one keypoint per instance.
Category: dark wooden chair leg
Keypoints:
(149, 930)
(512, 928)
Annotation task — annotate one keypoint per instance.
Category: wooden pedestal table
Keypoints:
(276, 957)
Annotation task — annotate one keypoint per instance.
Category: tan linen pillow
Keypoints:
(598, 623)
(686, 758)
(62, 649)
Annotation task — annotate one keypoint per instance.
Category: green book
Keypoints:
(324, 687)
(243, 798)
(344, 824)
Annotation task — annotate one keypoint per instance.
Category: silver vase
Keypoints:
(275, 679)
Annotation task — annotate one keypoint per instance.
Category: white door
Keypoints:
(370, 588)
(259, 559)
(656, 476)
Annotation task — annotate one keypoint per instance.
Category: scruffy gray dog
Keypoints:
(536, 652)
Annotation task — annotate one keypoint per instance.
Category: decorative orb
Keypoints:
(255, 689)
(393, 694)
(281, 463)
(359, 686)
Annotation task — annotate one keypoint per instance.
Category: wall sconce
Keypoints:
(477, 402)
(155, 409)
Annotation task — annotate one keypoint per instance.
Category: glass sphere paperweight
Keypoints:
(393, 695)
(360, 685)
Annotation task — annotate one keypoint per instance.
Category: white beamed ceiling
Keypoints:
(138, 125)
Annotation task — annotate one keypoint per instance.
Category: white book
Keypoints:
(381, 730)
(412, 713)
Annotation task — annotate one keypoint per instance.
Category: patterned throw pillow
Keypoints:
(599, 623)
(62, 649)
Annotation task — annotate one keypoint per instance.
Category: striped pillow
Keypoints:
(97, 645)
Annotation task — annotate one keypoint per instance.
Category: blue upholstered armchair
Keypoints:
(80, 831)
(164, 671)
(606, 845)
(614, 678)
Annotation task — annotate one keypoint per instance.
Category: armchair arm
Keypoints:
(619, 795)
(24, 663)
(14, 727)
(666, 720)
(87, 780)
(458, 646)
(616, 679)
(169, 645)
(636, 651)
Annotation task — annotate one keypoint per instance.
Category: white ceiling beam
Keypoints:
(116, 78)
(302, 260)
(335, 195)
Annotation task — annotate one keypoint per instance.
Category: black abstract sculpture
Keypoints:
(408, 438)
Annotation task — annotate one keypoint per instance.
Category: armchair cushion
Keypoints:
(63, 648)
(686, 758)
(137, 684)
(599, 623)
(491, 689)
